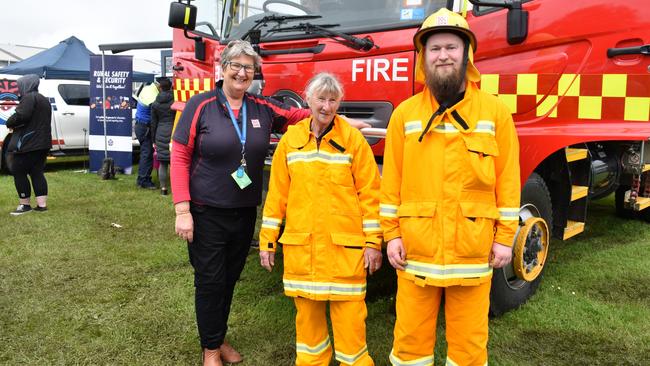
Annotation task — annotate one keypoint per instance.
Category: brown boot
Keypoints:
(229, 354)
(212, 357)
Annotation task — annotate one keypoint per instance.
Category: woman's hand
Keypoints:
(371, 259)
(356, 123)
(267, 259)
(184, 222)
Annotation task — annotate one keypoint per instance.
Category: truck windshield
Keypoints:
(349, 16)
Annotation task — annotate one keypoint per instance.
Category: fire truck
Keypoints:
(575, 75)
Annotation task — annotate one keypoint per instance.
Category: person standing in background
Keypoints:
(162, 123)
(30, 143)
(142, 129)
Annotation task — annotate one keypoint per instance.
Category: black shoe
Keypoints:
(163, 191)
(40, 209)
(21, 209)
(147, 185)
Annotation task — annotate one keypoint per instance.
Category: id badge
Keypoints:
(241, 178)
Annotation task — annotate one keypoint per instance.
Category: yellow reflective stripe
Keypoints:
(271, 223)
(485, 127)
(446, 127)
(509, 214)
(371, 226)
(412, 127)
(351, 359)
(186, 20)
(324, 288)
(441, 272)
(386, 210)
(315, 350)
(320, 156)
(424, 361)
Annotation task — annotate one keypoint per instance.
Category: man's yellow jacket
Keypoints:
(329, 195)
(451, 191)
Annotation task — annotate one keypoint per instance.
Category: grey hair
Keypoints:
(324, 82)
(238, 48)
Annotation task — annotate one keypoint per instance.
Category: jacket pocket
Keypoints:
(348, 255)
(482, 148)
(344, 198)
(476, 229)
(416, 222)
(296, 251)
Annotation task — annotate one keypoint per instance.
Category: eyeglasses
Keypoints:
(236, 66)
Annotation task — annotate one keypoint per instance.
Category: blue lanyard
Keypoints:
(240, 133)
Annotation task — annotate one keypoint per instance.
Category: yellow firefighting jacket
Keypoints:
(329, 195)
(455, 192)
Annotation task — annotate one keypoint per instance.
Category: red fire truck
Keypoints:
(575, 75)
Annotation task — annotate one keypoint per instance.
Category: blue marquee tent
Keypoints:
(70, 60)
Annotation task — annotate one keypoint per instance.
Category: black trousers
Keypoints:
(222, 238)
(33, 164)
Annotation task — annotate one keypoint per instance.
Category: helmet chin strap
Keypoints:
(463, 68)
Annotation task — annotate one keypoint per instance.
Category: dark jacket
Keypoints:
(31, 123)
(162, 121)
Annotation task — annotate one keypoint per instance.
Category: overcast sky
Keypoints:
(44, 23)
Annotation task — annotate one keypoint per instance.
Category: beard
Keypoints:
(445, 87)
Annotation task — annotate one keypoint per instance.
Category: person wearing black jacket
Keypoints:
(162, 122)
(30, 142)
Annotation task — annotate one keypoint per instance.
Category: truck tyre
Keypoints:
(508, 291)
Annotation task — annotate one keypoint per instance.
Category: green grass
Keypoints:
(74, 290)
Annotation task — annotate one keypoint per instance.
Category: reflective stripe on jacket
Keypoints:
(329, 195)
(450, 196)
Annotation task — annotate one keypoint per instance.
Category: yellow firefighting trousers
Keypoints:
(349, 325)
(466, 316)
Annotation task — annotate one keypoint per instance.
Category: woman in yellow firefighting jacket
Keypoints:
(325, 183)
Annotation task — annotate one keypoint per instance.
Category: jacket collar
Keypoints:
(299, 134)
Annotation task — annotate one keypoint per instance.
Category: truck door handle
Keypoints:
(68, 113)
(640, 50)
(178, 68)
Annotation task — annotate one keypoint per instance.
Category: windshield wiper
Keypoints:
(279, 19)
(356, 43)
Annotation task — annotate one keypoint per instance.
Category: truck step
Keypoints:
(641, 203)
(573, 154)
(578, 192)
(573, 228)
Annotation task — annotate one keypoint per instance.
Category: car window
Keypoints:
(75, 94)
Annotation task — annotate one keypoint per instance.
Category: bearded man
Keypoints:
(449, 198)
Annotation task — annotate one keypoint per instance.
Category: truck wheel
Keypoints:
(619, 198)
(513, 284)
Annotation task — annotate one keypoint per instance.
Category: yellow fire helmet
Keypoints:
(445, 20)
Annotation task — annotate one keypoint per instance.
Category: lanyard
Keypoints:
(241, 134)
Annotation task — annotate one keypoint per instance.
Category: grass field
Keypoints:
(76, 290)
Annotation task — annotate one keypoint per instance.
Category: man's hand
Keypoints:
(267, 259)
(500, 256)
(396, 253)
(371, 259)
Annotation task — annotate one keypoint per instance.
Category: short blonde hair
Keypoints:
(238, 48)
(324, 82)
